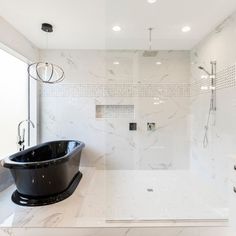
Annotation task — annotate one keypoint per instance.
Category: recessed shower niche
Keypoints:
(115, 111)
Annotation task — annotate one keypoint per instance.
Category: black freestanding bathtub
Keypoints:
(46, 173)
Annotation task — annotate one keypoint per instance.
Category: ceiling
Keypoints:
(87, 24)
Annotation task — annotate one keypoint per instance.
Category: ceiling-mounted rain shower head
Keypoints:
(202, 68)
(150, 52)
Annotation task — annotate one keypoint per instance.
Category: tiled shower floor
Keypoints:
(163, 195)
(118, 198)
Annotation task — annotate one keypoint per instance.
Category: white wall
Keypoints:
(68, 110)
(213, 162)
(16, 42)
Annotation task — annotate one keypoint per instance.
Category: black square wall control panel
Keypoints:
(132, 126)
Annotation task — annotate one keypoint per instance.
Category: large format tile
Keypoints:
(121, 199)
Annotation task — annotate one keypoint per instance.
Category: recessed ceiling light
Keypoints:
(151, 1)
(186, 29)
(116, 28)
(116, 63)
(158, 63)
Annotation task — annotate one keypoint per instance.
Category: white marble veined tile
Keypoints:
(68, 110)
(115, 198)
(150, 195)
(124, 231)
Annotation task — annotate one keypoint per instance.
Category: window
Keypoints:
(13, 100)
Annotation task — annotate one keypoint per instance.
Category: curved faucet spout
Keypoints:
(23, 121)
(21, 138)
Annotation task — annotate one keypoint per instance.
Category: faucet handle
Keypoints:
(23, 139)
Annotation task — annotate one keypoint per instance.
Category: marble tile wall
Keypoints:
(6, 178)
(159, 93)
(232, 185)
(212, 162)
(171, 231)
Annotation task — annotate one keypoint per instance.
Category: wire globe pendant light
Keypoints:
(46, 72)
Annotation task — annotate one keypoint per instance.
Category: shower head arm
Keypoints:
(202, 68)
(150, 38)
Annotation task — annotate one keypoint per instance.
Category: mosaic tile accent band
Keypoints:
(116, 90)
(225, 78)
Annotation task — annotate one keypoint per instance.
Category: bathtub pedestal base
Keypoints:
(24, 200)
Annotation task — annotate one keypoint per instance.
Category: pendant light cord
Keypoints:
(46, 40)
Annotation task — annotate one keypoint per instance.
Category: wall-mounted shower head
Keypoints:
(202, 68)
